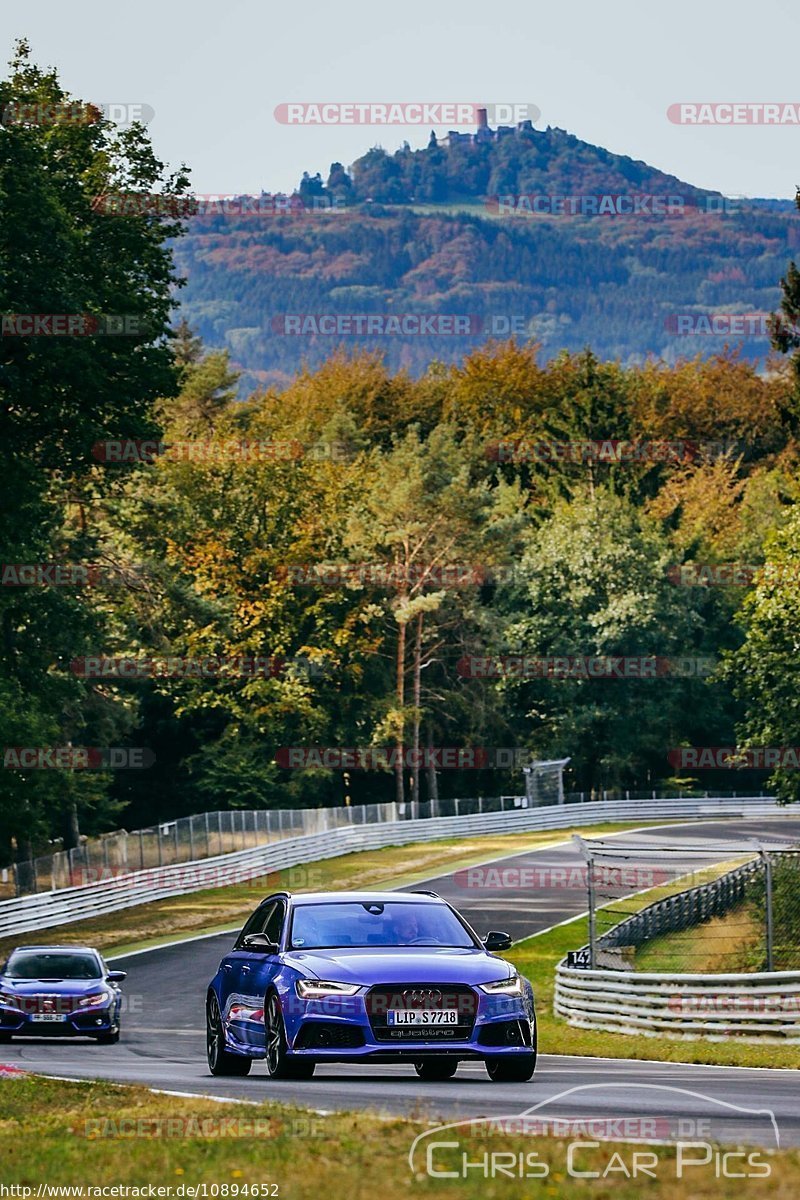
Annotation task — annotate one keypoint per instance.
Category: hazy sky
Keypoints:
(214, 70)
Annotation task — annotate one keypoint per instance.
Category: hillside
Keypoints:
(525, 232)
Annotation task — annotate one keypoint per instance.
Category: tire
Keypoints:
(220, 1060)
(5, 1038)
(512, 1068)
(434, 1070)
(108, 1039)
(280, 1063)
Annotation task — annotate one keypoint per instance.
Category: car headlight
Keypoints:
(94, 999)
(317, 989)
(10, 999)
(503, 987)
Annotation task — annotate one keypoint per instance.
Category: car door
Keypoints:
(234, 970)
(256, 972)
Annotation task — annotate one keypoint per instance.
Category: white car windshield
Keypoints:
(384, 923)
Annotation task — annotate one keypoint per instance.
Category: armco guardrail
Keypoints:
(763, 1006)
(48, 909)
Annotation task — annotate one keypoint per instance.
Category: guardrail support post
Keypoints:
(590, 889)
(768, 905)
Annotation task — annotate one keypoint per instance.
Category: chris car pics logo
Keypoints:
(655, 1130)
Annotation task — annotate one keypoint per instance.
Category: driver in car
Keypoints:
(406, 927)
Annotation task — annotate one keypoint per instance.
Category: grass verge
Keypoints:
(727, 943)
(94, 1135)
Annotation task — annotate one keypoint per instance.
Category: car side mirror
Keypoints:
(116, 976)
(497, 941)
(259, 941)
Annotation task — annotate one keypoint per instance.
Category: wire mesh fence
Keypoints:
(186, 839)
(739, 916)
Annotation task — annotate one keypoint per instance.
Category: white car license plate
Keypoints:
(49, 1016)
(422, 1016)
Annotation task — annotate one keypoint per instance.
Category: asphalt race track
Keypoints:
(163, 1036)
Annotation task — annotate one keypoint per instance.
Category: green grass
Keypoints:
(732, 942)
(96, 1134)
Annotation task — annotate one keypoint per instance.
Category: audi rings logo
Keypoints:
(422, 996)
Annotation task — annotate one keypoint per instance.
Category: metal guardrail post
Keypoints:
(768, 905)
(584, 849)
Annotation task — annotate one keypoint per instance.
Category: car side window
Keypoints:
(273, 926)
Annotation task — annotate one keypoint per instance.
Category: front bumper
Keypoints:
(87, 1022)
(340, 1029)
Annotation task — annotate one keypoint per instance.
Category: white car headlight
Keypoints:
(503, 987)
(95, 999)
(318, 989)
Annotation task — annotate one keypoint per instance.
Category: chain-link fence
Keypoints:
(736, 917)
(185, 839)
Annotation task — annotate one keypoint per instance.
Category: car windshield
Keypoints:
(389, 923)
(42, 964)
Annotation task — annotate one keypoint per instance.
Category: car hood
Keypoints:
(44, 987)
(404, 964)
